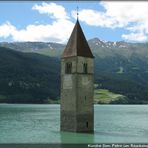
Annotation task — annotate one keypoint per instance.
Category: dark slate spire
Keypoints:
(77, 44)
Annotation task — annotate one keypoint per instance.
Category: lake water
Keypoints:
(21, 123)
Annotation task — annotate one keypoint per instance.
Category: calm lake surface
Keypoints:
(20, 123)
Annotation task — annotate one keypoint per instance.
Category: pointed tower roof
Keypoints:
(77, 44)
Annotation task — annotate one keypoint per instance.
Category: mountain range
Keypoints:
(120, 67)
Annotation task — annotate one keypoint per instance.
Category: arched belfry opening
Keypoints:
(77, 76)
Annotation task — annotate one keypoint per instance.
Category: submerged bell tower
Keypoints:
(77, 89)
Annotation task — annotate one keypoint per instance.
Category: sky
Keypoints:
(53, 21)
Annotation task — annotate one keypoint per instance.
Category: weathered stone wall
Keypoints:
(68, 121)
(77, 111)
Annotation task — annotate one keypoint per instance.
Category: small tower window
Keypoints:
(85, 67)
(85, 98)
(68, 68)
(87, 124)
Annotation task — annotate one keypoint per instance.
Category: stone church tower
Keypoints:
(77, 74)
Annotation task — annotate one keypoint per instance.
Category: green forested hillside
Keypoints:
(27, 77)
(131, 82)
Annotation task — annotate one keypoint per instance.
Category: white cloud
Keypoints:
(127, 12)
(135, 37)
(128, 15)
(58, 31)
(6, 30)
(94, 18)
(57, 11)
(45, 33)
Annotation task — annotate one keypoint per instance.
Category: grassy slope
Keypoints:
(104, 96)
